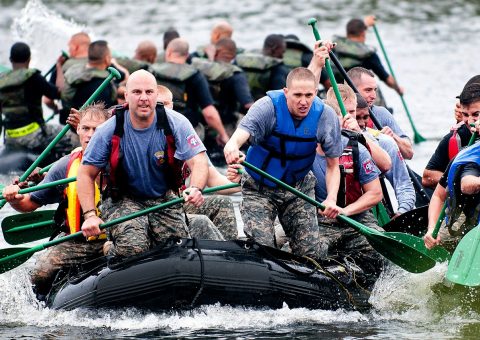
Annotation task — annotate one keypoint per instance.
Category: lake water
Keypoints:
(432, 46)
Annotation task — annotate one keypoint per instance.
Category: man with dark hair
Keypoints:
(265, 72)
(69, 216)
(451, 143)
(459, 186)
(352, 51)
(283, 129)
(81, 80)
(228, 83)
(190, 89)
(21, 91)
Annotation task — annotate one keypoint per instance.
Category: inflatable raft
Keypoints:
(187, 273)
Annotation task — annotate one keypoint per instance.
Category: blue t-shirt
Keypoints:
(55, 194)
(143, 152)
(368, 169)
(261, 119)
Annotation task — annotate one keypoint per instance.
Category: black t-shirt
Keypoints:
(198, 97)
(440, 159)
(373, 63)
(233, 91)
(37, 86)
(278, 77)
(469, 169)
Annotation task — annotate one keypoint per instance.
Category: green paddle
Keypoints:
(113, 74)
(406, 251)
(29, 227)
(45, 186)
(13, 257)
(417, 138)
(65, 55)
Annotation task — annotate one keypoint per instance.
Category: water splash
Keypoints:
(45, 31)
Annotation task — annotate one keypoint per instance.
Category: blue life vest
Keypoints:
(468, 155)
(288, 153)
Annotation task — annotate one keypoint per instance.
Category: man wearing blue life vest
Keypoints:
(284, 128)
(69, 215)
(142, 149)
(459, 186)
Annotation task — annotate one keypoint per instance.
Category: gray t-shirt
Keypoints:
(261, 119)
(368, 170)
(55, 194)
(144, 150)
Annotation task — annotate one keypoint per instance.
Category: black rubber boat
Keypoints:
(188, 273)
(15, 160)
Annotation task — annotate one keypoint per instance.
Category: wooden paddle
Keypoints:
(113, 74)
(13, 257)
(417, 138)
(28, 227)
(406, 251)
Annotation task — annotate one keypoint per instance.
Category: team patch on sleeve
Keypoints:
(368, 166)
(192, 140)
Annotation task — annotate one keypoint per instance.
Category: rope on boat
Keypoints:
(196, 247)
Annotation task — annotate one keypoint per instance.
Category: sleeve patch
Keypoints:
(368, 166)
(192, 141)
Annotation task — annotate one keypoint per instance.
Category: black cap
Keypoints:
(19, 53)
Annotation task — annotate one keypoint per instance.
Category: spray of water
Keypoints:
(45, 31)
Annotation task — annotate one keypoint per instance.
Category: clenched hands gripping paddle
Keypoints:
(22, 228)
(417, 138)
(13, 257)
(113, 74)
(402, 249)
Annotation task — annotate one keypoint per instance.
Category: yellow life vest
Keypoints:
(73, 211)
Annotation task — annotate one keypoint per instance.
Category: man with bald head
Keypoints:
(142, 147)
(190, 90)
(228, 83)
(145, 55)
(220, 30)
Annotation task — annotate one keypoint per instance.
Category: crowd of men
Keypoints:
(149, 130)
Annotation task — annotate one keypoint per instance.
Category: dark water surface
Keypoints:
(433, 47)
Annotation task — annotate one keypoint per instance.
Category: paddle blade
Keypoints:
(417, 138)
(401, 253)
(11, 258)
(438, 253)
(29, 227)
(464, 268)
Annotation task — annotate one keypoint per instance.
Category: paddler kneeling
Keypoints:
(69, 214)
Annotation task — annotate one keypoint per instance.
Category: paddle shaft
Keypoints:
(417, 137)
(356, 225)
(313, 22)
(113, 73)
(416, 183)
(31, 226)
(28, 252)
(45, 186)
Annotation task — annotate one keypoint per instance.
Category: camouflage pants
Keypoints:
(62, 255)
(200, 226)
(450, 237)
(39, 140)
(339, 239)
(298, 218)
(139, 234)
(220, 211)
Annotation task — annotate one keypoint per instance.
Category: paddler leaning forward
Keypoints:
(143, 145)
(284, 128)
(69, 214)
